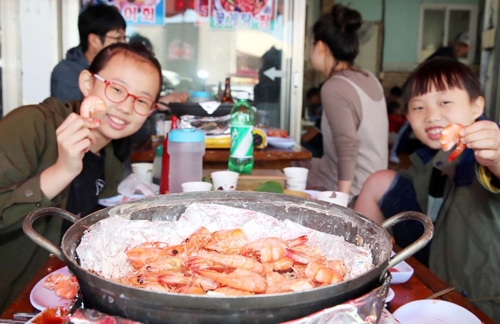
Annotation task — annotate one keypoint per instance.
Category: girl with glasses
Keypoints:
(52, 156)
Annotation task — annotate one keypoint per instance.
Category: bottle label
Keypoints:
(241, 141)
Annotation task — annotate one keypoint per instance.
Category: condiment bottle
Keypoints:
(226, 95)
(186, 148)
(165, 162)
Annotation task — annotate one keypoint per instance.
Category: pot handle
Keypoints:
(39, 239)
(418, 244)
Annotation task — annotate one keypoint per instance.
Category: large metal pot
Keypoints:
(152, 307)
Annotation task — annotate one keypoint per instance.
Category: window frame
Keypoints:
(447, 7)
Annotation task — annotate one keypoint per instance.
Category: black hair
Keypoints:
(136, 50)
(339, 31)
(443, 73)
(99, 20)
(396, 91)
(313, 92)
(138, 38)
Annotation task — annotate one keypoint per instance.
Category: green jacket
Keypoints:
(465, 250)
(28, 146)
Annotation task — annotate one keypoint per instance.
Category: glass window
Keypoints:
(199, 46)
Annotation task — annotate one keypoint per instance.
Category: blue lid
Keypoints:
(186, 135)
(199, 94)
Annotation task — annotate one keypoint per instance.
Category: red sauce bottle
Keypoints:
(165, 162)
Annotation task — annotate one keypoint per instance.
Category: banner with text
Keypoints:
(243, 14)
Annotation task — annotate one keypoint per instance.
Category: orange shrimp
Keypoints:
(227, 241)
(66, 289)
(239, 278)
(450, 136)
(291, 285)
(197, 240)
(191, 290)
(320, 272)
(231, 260)
(51, 281)
(228, 291)
(271, 248)
(65, 286)
(91, 106)
(150, 252)
(178, 279)
(170, 263)
(282, 264)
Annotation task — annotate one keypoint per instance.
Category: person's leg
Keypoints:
(373, 190)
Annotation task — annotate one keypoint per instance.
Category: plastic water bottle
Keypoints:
(186, 148)
(241, 122)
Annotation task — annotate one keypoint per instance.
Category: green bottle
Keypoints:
(241, 122)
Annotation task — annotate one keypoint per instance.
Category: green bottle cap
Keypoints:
(159, 150)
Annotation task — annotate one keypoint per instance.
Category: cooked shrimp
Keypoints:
(178, 279)
(450, 136)
(228, 291)
(169, 263)
(91, 106)
(227, 241)
(291, 285)
(51, 281)
(320, 272)
(65, 286)
(231, 260)
(149, 252)
(192, 290)
(271, 248)
(282, 264)
(197, 240)
(66, 289)
(239, 278)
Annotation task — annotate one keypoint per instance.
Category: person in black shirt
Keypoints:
(458, 48)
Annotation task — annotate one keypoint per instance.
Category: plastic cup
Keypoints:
(159, 120)
(296, 178)
(144, 171)
(225, 180)
(196, 186)
(334, 197)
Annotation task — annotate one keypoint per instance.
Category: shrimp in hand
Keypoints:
(450, 136)
(91, 106)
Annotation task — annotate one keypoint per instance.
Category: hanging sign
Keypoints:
(243, 14)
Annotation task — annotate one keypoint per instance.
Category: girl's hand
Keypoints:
(74, 138)
(484, 138)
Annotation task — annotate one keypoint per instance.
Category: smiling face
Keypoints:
(138, 77)
(429, 113)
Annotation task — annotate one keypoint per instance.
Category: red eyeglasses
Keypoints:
(117, 93)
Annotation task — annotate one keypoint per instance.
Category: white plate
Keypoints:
(281, 142)
(390, 295)
(41, 297)
(431, 311)
(401, 273)
(112, 201)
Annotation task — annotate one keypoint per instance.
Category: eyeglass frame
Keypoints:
(120, 39)
(107, 83)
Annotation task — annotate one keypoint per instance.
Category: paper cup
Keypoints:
(339, 198)
(144, 171)
(296, 178)
(196, 186)
(225, 180)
